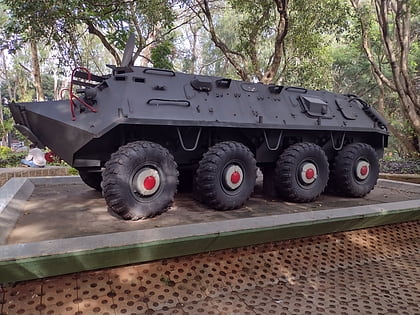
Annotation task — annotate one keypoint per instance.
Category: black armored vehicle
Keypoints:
(134, 133)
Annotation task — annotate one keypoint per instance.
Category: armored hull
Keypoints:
(214, 131)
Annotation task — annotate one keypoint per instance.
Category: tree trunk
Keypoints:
(396, 49)
(36, 71)
(281, 32)
(246, 63)
(395, 41)
(407, 144)
(6, 77)
(93, 30)
(3, 131)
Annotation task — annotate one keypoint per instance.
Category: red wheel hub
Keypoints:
(149, 182)
(146, 182)
(235, 177)
(310, 173)
(364, 170)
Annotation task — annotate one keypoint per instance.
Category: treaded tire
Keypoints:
(211, 176)
(121, 174)
(92, 179)
(289, 172)
(344, 170)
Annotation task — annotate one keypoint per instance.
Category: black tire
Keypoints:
(140, 180)
(355, 170)
(92, 179)
(301, 172)
(226, 176)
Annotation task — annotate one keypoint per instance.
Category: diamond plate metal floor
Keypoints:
(372, 271)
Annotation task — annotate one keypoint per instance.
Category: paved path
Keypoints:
(372, 271)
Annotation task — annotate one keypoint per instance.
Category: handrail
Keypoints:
(75, 97)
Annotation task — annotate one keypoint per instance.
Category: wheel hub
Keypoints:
(362, 170)
(147, 181)
(233, 177)
(309, 173)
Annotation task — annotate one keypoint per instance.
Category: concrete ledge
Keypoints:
(14, 194)
(56, 180)
(8, 173)
(54, 257)
(12, 197)
(410, 178)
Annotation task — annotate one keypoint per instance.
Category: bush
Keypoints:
(8, 158)
(401, 166)
(73, 171)
(5, 152)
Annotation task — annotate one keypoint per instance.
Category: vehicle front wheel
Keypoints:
(92, 179)
(140, 180)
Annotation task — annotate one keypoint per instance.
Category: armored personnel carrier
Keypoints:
(133, 133)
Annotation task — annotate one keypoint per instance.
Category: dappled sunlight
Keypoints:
(65, 211)
(342, 271)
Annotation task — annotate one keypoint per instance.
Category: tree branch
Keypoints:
(367, 47)
(228, 53)
(282, 29)
(25, 68)
(402, 24)
(93, 30)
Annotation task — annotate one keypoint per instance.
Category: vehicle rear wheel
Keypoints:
(301, 173)
(355, 170)
(140, 180)
(226, 176)
(92, 179)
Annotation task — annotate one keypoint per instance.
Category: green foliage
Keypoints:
(5, 152)
(213, 62)
(314, 28)
(63, 23)
(6, 125)
(161, 55)
(8, 158)
(352, 75)
(351, 72)
(249, 28)
(73, 171)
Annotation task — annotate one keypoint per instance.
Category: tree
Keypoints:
(160, 55)
(63, 23)
(256, 28)
(275, 41)
(393, 18)
(36, 71)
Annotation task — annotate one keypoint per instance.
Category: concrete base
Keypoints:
(253, 224)
(409, 178)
